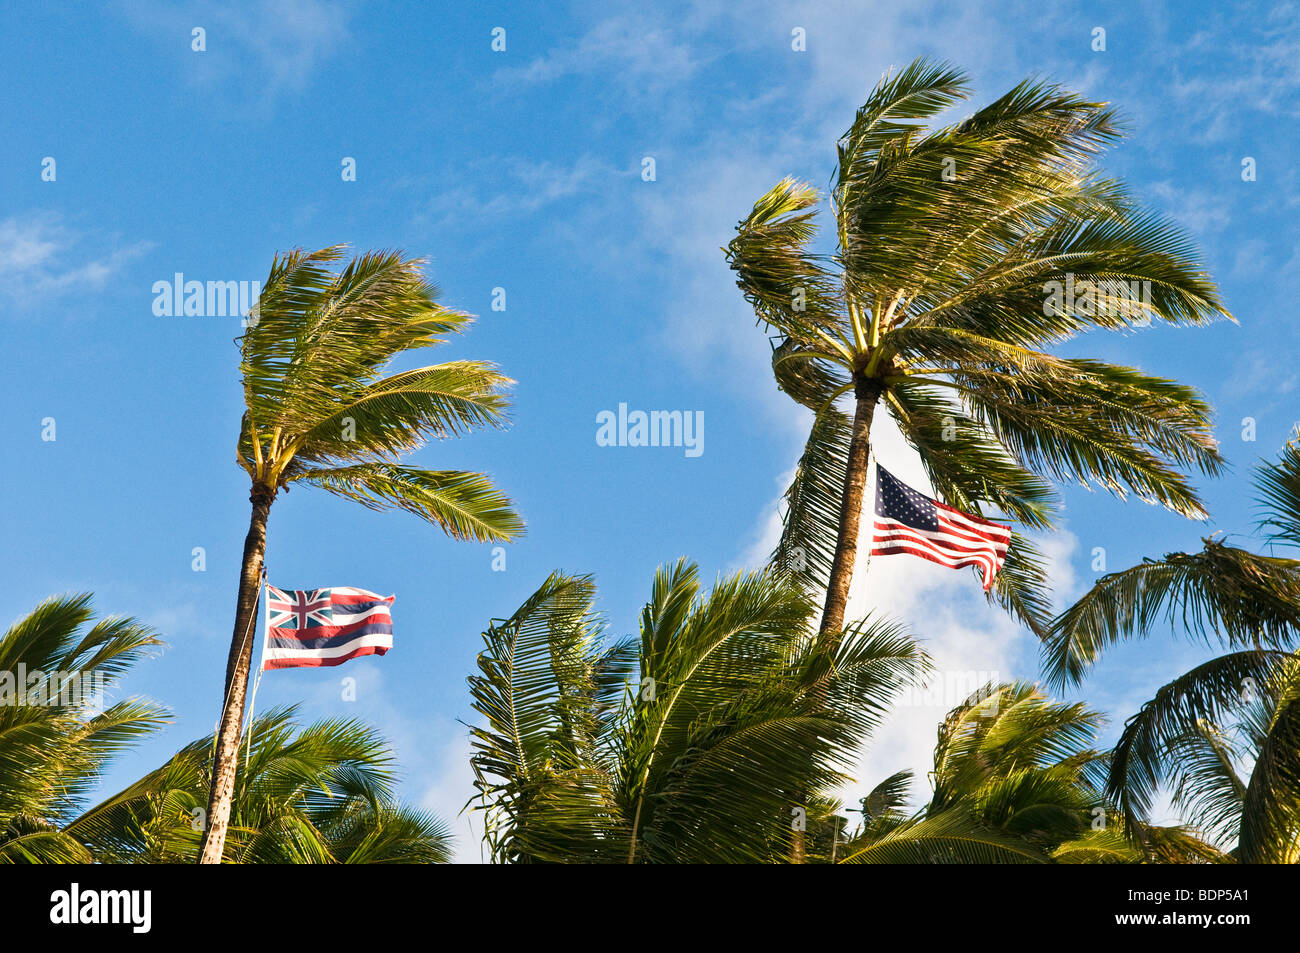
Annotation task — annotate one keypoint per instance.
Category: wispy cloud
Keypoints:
(515, 187)
(635, 53)
(41, 258)
(1257, 71)
(266, 48)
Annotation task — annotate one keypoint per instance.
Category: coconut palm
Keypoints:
(962, 252)
(709, 738)
(56, 735)
(1016, 779)
(314, 794)
(1247, 604)
(321, 410)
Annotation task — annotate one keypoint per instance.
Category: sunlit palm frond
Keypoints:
(735, 722)
(952, 837)
(466, 505)
(320, 793)
(398, 413)
(57, 731)
(787, 284)
(1270, 809)
(1207, 789)
(544, 793)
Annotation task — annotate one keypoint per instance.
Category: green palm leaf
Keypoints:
(1221, 595)
(466, 505)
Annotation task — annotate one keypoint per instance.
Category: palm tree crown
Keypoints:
(322, 409)
(314, 794)
(54, 743)
(712, 737)
(962, 252)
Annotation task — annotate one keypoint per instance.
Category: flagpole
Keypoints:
(261, 662)
(873, 476)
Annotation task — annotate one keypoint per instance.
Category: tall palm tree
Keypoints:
(320, 411)
(1246, 603)
(1016, 779)
(961, 253)
(709, 738)
(307, 795)
(56, 735)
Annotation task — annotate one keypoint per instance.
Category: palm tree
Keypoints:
(318, 411)
(1247, 604)
(1016, 779)
(56, 736)
(306, 795)
(709, 738)
(963, 251)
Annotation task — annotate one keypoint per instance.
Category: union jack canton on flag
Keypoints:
(320, 627)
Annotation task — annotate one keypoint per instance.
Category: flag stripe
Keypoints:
(934, 555)
(311, 628)
(951, 552)
(909, 523)
(322, 661)
(975, 523)
(290, 639)
(375, 640)
(887, 528)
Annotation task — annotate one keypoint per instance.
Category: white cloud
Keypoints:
(520, 187)
(41, 258)
(639, 55)
(445, 795)
(269, 47)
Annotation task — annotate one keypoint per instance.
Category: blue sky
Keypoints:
(522, 170)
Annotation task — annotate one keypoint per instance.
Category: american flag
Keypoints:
(316, 627)
(908, 522)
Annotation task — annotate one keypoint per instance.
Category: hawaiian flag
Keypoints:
(908, 522)
(316, 627)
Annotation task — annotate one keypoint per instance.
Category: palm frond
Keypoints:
(466, 505)
(1270, 811)
(1278, 486)
(949, 838)
(1220, 595)
(1139, 764)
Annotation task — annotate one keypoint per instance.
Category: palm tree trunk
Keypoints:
(867, 391)
(226, 757)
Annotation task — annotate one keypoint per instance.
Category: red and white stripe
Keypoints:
(357, 622)
(961, 540)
